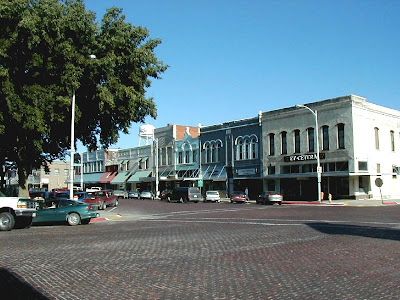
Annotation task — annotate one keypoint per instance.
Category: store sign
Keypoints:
(245, 172)
(303, 157)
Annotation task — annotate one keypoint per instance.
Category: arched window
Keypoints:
(310, 132)
(284, 142)
(376, 138)
(271, 144)
(254, 148)
(207, 152)
(240, 150)
(325, 137)
(187, 152)
(246, 149)
(340, 128)
(392, 140)
(297, 141)
(218, 147)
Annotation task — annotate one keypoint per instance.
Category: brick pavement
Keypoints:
(159, 250)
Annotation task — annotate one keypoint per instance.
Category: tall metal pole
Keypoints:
(72, 151)
(81, 155)
(319, 169)
(156, 163)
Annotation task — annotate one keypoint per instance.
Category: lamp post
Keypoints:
(319, 169)
(72, 151)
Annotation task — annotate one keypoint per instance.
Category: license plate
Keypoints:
(195, 196)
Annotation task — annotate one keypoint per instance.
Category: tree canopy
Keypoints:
(44, 56)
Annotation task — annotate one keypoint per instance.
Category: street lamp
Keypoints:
(72, 151)
(319, 170)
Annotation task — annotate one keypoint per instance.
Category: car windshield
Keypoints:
(145, 192)
(270, 193)
(212, 193)
(194, 190)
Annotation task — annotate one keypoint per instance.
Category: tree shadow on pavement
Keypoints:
(363, 231)
(14, 287)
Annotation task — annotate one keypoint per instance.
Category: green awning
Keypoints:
(88, 178)
(139, 174)
(121, 177)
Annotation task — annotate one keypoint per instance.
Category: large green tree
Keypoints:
(44, 56)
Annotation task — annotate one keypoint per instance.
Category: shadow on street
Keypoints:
(16, 288)
(354, 230)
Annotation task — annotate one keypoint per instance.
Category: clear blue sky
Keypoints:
(229, 59)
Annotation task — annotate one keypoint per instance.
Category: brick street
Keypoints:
(158, 250)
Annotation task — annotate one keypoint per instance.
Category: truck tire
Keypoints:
(7, 221)
(23, 222)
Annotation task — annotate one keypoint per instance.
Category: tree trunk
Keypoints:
(22, 177)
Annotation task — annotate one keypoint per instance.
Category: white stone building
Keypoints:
(359, 142)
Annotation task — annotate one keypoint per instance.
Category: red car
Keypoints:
(102, 199)
(238, 197)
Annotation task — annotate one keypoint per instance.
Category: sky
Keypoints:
(229, 59)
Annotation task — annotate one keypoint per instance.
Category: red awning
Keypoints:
(107, 177)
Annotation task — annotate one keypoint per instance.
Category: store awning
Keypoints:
(138, 175)
(88, 178)
(121, 177)
(107, 177)
(215, 173)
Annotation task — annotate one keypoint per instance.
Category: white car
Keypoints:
(212, 196)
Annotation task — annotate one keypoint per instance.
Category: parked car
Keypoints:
(133, 195)
(102, 199)
(121, 194)
(212, 196)
(65, 210)
(146, 195)
(164, 194)
(270, 197)
(185, 194)
(238, 196)
(79, 196)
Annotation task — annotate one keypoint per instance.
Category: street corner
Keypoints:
(101, 219)
(314, 203)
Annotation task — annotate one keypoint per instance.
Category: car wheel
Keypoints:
(181, 200)
(231, 201)
(73, 219)
(85, 222)
(7, 221)
(116, 203)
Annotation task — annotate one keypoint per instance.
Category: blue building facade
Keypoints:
(231, 156)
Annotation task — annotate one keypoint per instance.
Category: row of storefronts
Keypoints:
(358, 143)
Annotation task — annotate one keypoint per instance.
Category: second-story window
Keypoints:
(376, 138)
(180, 157)
(341, 136)
(187, 156)
(56, 172)
(297, 141)
(284, 142)
(254, 148)
(392, 139)
(271, 144)
(310, 132)
(325, 137)
(194, 156)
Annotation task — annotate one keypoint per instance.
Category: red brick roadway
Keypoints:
(157, 250)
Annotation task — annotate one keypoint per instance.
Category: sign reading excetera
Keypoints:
(303, 157)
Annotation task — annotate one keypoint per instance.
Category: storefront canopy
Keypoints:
(107, 177)
(121, 178)
(88, 178)
(215, 173)
(138, 175)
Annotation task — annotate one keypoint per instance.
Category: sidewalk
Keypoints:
(339, 202)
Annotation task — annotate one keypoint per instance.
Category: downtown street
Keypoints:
(146, 249)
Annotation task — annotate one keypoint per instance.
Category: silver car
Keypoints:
(146, 195)
(212, 196)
